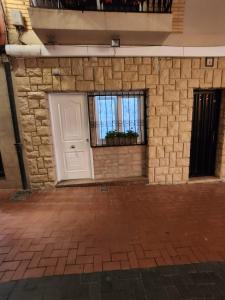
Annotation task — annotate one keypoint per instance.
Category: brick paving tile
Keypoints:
(73, 269)
(36, 272)
(119, 256)
(125, 227)
(46, 262)
(60, 267)
(111, 265)
(85, 259)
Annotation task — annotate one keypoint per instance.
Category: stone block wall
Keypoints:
(119, 162)
(169, 83)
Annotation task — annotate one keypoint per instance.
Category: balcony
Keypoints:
(135, 22)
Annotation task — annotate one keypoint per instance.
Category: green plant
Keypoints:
(115, 133)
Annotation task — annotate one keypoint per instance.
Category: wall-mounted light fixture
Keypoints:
(115, 43)
(209, 61)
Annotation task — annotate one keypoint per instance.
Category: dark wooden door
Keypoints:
(204, 132)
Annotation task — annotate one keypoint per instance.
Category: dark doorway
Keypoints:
(205, 123)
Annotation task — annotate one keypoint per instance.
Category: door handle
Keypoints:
(72, 147)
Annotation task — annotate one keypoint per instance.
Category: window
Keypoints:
(117, 119)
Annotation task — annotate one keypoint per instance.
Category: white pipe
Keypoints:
(107, 51)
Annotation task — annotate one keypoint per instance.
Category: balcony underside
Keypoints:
(91, 27)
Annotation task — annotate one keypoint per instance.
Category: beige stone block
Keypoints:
(160, 132)
(172, 95)
(164, 76)
(161, 170)
(163, 121)
(41, 114)
(42, 130)
(177, 178)
(45, 150)
(46, 140)
(172, 159)
(30, 62)
(56, 83)
(159, 90)
(144, 69)
(105, 62)
(173, 128)
(36, 140)
(164, 110)
(152, 79)
(117, 75)
(151, 175)
(137, 60)
(23, 84)
(36, 80)
(88, 73)
(193, 83)
(160, 152)
(155, 66)
(64, 62)
(126, 85)
(129, 60)
(48, 62)
(34, 72)
(130, 76)
(39, 178)
(163, 162)
(36, 95)
(130, 68)
(186, 150)
(221, 63)
(64, 71)
(208, 76)
(138, 85)
(48, 162)
(176, 63)
(217, 78)
(196, 63)
(68, 83)
(181, 84)
(166, 63)
(28, 123)
(155, 141)
(174, 73)
(160, 179)
(198, 74)
(154, 122)
(185, 126)
(168, 141)
(113, 84)
(118, 64)
(45, 88)
(186, 68)
(178, 147)
(153, 163)
(98, 75)
(108, 73)
(34, 154)
(223, 78)
(77, 66)
(182, 162)
(152, 152)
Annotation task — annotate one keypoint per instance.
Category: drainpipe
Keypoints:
(18, 144)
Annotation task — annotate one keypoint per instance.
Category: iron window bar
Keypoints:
(143, 6)
(117, 118)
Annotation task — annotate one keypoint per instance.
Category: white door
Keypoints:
(71, 136)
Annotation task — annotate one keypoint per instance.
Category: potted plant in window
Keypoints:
(116, 138)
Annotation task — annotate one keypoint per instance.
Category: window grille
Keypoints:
(2, 173)
(117, 118)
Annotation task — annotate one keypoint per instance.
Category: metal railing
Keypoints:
(149, 6)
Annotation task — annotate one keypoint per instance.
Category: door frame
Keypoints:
(54, 135)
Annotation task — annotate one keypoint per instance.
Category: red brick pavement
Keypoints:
(76, 230)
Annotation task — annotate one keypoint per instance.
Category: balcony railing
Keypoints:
(149, 6)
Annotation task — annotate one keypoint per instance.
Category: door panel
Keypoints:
(204, 133)
(71, 136)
